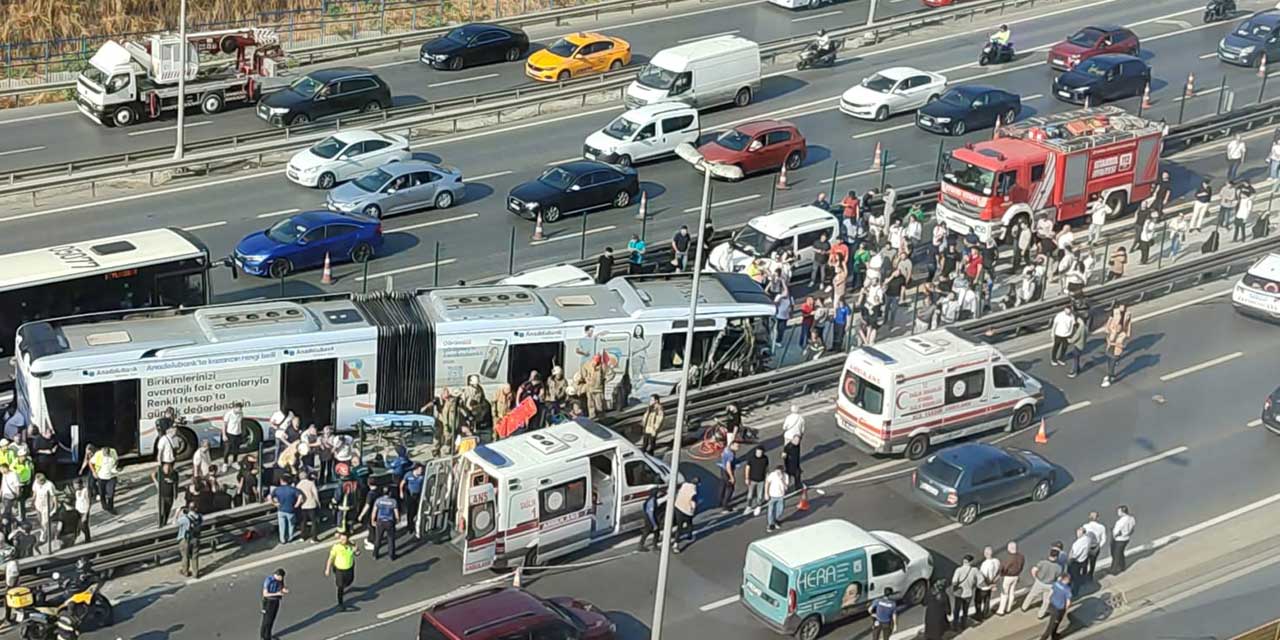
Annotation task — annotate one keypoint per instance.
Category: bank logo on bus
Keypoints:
(352, 369)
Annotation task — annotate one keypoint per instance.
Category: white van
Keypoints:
(541, 495)
(706, 73)
(1258, 292)
(796, 229)
(644, 133)
(904, 395)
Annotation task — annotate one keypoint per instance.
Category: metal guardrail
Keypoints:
(402, 119)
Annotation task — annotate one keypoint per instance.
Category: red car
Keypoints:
(502, 613)
(758, 146)
(1092, 41)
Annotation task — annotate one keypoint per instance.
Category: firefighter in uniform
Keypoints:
(476, 406)
(597, 375)
(448, 419)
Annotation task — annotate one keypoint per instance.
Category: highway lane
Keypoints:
(478, 245)
(73, 137)
(1224, 466)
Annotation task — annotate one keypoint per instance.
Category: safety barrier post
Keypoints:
(159, 504)
(1262, 89)
(282, 278)
(835, 173)
(1222, 92)
(582, 250)
(644, 228)
(511, 253)
(884, 167)
(1160, 258)
(435, 275)
(773, 193)
(1106, 258)
(937, 168)
(364, 277)
(262, 464)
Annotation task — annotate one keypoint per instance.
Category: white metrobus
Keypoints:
(335, 359)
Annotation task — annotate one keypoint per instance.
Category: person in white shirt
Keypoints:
(793, 425)
(1273, 161)
(1235, 156)
(1146, 236)
(989, 578)
(1098, 537)
(1063, 324)
(775, 491)
(202, 461)
(44, 498)
(968, 303)
(914, 230)
(1078, 558)
(1244, 209)
(1121, 533)
(1027, 286)
(10, 491)
(233, 432)
(1098, 214)
(165, 451)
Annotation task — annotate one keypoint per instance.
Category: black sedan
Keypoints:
(1103, 78)
(574, 187)
(968, 479)
(473, 44)
(968, 107)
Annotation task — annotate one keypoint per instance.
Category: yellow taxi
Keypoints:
(576, 55)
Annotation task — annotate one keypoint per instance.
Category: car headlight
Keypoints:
(277, 111)
(942, 120)
(251, 259)
(306, 171)
(1085, 89)
(1248, 50)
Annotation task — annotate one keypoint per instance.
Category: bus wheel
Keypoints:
(186, 445)
(809, 629)
(252, 435)
(917, 446)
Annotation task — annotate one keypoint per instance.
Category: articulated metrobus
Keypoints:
(334, 359)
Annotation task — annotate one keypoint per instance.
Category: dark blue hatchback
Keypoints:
(1254, 38)
(968, 479)
(1103, 78)
(304, 239)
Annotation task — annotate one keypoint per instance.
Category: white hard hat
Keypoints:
(277, 418)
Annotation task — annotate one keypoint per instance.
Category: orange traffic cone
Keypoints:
(782, 179)
(1146, 97)
(537, 227)
(1041, 436)
(643, 211)
(326, 276)
(1262, 66)
(515, 577)
(1191, 85)
(875, 162)
(804, 500)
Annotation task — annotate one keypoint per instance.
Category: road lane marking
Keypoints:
(818, 15)
(723, 203)
(1200, 367)
(433, 223)
(13, 152)
(187, 125)
(486, 176)
(207, 225)
(39, 117)
(396, 64)
(1137, 463)
(1181, 24)
(1034, 96)
(564, 161)
(416, 267)
(860, 473)
(855, 174)
(575, 234)
(282, 212)
(937, 532)
(1209, 55)
(711, 606)
(462, 80)
(1256, 422)
(709, 35)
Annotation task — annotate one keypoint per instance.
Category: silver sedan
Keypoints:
(398, 187)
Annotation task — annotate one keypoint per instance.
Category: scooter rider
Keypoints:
(823, 42)
(1002, 36)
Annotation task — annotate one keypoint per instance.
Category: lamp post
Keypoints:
(709, 169)
(182, 76)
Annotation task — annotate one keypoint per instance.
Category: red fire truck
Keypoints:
(1050, 165)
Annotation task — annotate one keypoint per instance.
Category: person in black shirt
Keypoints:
(757, 469)
(893, 296)
(166, 480)
(821, 253)
(706, 238)
(604, 266)
(680, 245)
(246, 483)
(45, 448)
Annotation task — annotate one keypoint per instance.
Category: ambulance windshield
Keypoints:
(862, 394)
(969, 177)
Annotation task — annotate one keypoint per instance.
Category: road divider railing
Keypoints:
(425, 120)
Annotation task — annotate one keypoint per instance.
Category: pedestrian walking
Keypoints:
(793, 425)
(44, 499)
(653, 416)
(1078, 559)
(189, 523)
(1119, 329)
(1236, 150)
(1227, 200)
(1043, 576)
(988, 582)
(1010, 572)
(685, 508)
(1145, 237)
(166, 481)
(1063, 324)
(1244, 209)
(1097, 538)
(650, 524)
(287, 500)
(937, 608)
(728, 482)
(1076, 345)
(232, 432)
(775, 490)
(1059, 603)
(635, 255)
(1121, 533)
(964, 584)
(386, 513)
(166, 447)
(1099, 211)
(604, 266)
(83, 504)
(104, 464)
(342, 564)
(781, 316)
(273, 591)
(1200, 206)
(757, 472)
(884, 615)
(680, 247)
(309, 510)
(791, 461)
(1177, 233)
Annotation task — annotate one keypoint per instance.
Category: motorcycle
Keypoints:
(83, 601)
(813, 56)
(995, 53)
(1219, 10)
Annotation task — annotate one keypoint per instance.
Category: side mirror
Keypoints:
(755, 145)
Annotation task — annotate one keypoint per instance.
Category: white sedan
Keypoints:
(343, 156)
(892, 91)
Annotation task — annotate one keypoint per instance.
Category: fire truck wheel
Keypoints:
(1118, 201)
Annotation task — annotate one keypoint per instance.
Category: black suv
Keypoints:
(325, 93)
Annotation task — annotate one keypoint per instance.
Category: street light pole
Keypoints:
(182, 76)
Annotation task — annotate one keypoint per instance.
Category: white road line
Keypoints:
(1181, 24)
(1256, 422)
(565, 160)
(13, 152)
(208, 225)
(709, 35)
(1074, 407)
(1199, 367)
(724, 202)
(937, 532)
(486, 176)
(1034, 96)
(868, 134)
(844, 477)
(274, 558)
(416, 267)
(1137, 463)
(282, 212)
(1208, 55)
(817, 16)
(170, 128)
(396, 64)
(138, 196)
(711, 606)
(462, 80)
(39, 117)
(575, 234)
(433, 223)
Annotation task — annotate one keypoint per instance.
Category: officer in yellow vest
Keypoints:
(342, 563)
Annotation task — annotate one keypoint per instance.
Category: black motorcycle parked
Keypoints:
(995, 53)
(1219, 10)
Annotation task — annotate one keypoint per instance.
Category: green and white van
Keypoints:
(796, 582)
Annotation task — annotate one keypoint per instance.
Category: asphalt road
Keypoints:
(474, 235)
(1171, 438)
(39, 136)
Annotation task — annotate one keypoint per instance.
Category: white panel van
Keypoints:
(644, 133)
(706, 73)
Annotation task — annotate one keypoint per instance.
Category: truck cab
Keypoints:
(110, 81)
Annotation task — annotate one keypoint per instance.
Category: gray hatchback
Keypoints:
(965, 480)
(397, 187)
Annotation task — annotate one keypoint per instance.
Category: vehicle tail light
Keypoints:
(791, 601)
(377, 231)
(951, 498)
(1266, 404)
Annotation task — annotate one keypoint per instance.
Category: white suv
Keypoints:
(795, 229)
(644, 133)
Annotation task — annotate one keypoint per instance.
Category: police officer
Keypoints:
(411, 493)
(383, 520)
(342, 563)
(273, 591)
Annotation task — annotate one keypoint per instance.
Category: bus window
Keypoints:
(673, 348)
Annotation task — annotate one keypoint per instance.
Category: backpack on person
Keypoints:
(194, 522)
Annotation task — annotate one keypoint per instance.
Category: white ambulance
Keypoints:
(541, 495)
(905, 395)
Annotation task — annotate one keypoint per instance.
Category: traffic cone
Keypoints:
(1041, 436)
(515, 577)
(875, 162)
(326, 276)
(782, 179)
(1146, 97)
(1191, 85)
(1262, 66)
(537, 226)
(804, 500)
(644, 205)
(995, 132)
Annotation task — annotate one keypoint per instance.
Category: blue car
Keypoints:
(1254, 38)
(304, 239)
(969, 479)
(1103, 78)
(967, 108)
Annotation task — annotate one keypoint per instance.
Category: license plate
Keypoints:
(1059, 61)
(20, 615)
(588, 155)
(1227, 55)
(928, 488)
(1065, 94)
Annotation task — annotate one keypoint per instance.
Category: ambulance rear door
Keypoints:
(479, 549)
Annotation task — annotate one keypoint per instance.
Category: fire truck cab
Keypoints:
(1050, 165)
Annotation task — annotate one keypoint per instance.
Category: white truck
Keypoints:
(135, 80)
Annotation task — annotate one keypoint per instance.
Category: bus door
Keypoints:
(310, 390)
(106, 413)
(479, 549)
